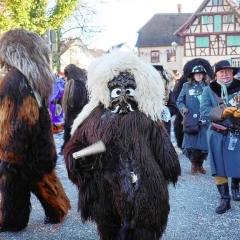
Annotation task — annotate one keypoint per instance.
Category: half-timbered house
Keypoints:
(212, 32)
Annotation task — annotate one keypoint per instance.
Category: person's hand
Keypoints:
(236, 113)
(228, 111)
(184, 111)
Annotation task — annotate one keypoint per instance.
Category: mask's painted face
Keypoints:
(122, 93)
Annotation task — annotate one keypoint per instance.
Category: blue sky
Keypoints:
(123, 18)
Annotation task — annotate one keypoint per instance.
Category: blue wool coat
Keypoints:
(223, 162)
(190, 97)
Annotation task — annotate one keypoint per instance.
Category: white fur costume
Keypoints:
(149, 92)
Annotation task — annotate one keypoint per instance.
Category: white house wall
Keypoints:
(145, 54)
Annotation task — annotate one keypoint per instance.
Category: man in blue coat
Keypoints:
(220, 106)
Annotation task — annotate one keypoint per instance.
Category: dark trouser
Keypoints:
(235, 189)
(15, 202)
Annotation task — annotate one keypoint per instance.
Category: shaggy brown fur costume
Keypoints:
(107, 196)
(27, 150)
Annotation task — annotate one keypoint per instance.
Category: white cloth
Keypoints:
(166, 116)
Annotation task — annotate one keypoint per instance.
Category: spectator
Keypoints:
(56, 104)
(74, 97)
(194, 143)
(187, 69)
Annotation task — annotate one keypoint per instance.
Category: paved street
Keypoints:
(192, 217)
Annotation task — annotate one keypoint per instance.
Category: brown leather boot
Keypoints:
(200, 168)
(194, 166)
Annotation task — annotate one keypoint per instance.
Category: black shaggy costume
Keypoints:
(121, 207)
(106, 194)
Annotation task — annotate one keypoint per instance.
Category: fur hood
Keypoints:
(149, 92)
(233, 87)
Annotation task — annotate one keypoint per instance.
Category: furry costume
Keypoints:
(187, 69)
(27, 150)
(124, 190)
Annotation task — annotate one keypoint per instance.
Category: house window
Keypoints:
(207, 19)
(217, 2)
(233, 41)
(236, 63)
(171, 56)
(202, 42)
(210, 19)
(227, 18)
(154, 56)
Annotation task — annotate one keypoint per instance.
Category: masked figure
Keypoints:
(124, 190)
(27, 150)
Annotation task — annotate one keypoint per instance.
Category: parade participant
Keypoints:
(124, 190)
(194, 141)
(170, 107)
(177, 123)
(187, 69)
(220, 105)
(27, 150)
(56, 104)
(74, 97)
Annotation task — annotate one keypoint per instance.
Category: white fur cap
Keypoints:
(149, 93)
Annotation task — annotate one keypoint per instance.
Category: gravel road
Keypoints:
(192, 216)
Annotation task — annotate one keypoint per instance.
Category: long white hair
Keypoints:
(149, 92)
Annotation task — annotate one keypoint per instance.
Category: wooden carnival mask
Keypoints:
(122, 93)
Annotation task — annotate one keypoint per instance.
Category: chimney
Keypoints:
(179, 7)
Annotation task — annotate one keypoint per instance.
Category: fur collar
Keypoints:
(233, 87)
